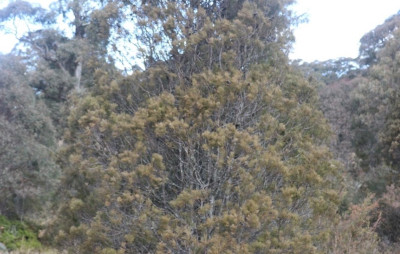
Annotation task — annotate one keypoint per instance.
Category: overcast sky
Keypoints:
(333, 30)
(335, 27)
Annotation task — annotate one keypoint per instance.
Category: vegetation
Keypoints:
(211, 142)
(28, 171)
(361, 106)
(17, 235)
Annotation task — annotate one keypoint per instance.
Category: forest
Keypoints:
(156, 126)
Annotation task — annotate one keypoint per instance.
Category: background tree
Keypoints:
(60, 62)
(361, 107)
(28, 172)
(376, 39)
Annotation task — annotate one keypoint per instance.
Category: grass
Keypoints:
(17, 235)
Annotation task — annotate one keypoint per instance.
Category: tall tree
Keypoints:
(28, 173)
(216, 147)
(60, 63)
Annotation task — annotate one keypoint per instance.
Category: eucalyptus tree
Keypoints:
(28, 173)
(62, 46)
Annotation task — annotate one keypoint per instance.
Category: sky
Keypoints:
(335, 27)
(7, 41)
(333, 30)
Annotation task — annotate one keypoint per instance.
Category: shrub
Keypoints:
(17, 234)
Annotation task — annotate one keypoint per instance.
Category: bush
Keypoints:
(17, 234)
(389, 206)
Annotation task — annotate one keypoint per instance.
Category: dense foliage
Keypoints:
(28, 171)
(217, 148)
(362, 108)
(212, 142)
(17, 235)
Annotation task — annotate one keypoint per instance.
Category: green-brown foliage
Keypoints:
(59, 63)
(363, 110)
(354, 233)
(27, 169)
(217, 147)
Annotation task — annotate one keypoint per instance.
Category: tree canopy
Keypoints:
(216, 147)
